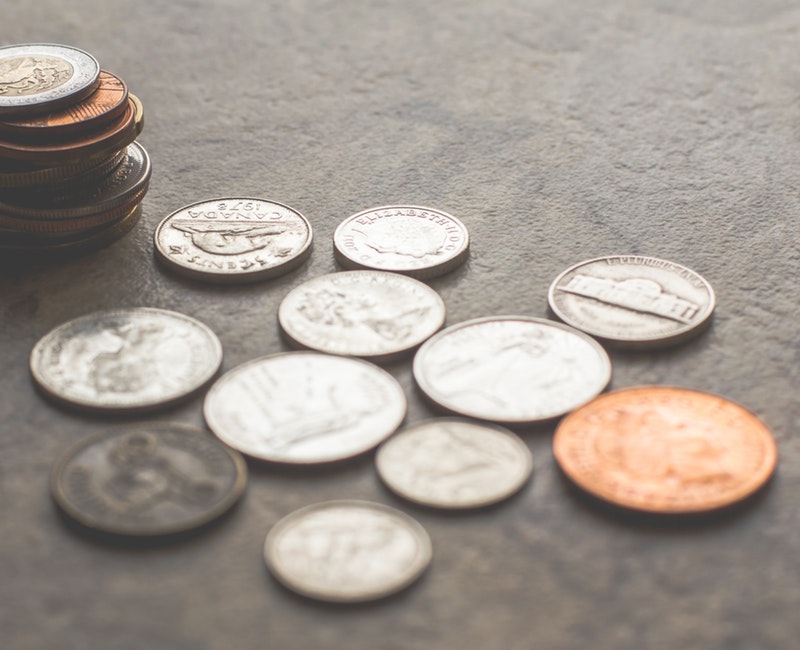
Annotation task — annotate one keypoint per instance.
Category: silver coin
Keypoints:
(372, 314)
(416, 241)
(148, 479)
(454, 463)
(233, 239)
(304, 407)
(126, 359)
(37, 78)
(347, 551)
(633, 301)
(511, 369)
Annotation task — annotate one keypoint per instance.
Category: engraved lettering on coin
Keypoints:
(27, 75)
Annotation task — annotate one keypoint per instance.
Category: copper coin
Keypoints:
(665, 450)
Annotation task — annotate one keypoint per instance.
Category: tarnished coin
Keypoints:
(16, 175)
(233, 240)
(416, 241)
(454, 463)
(371, 314)
(347, 551)
(126, 359)
(665, 450)
(305, 407)
(633, 301)
(148, 480)
(511, 369)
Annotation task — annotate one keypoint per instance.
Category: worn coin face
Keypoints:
(511, 369)
(305, 407)
(416, 241)
(371, 314)
(347, 551)
(665, 450)
(126, 359)
(454, 463)
(233, 240)
(633, 301)
(148, 480)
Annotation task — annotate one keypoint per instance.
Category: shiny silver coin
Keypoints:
(454, 463)
(233, 240)
(148, 480)
(347, 551)
(416, 241)
(38, 78)
(370, 314)
(633, 301)
(304, 407)
(511, 369)
(126, 359)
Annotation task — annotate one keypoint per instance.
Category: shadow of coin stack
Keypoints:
(72, 177)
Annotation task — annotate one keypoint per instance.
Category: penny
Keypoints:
(665, 450)
(511, 369)
(148, 480)
(233, 240)
(304, 407)
(454, 463)
(633, 301)
(372, 314)
(347, 551)
(416, 241)
(125, 360)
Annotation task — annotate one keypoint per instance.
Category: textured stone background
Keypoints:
(557, 131)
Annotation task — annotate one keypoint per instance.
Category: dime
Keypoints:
(454, 463)
(126, 359)
(665, 450)
(233, 239)
(412, 240)
(148, 479)
(633, 301)
(371, 314)
(347, 551)
(511, 369)
(304, 407)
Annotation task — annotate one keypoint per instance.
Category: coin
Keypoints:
(454, 463)
(372, 314)
(16, 175)
(511, 369)
(633, 301)
(126, 359)
(304, 407)
(148, 480)
(233, 239)
(416, 241)
(347, 551)
(665, 450)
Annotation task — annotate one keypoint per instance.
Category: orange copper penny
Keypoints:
(665, 450)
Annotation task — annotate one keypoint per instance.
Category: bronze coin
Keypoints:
(665, 450)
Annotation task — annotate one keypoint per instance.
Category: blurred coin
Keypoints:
(148, 480)
(304, 407)
(347, 551)
(665, 450)
(372, 314)
(511, 369)
(138, 113)
(14, 174)
(633, 301)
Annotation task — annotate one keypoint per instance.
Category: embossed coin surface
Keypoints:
(233, 239)
(126, 359)
(633, 301)
(372, 314)
(347, 551)
(665, 450)
(416, 241)
(304, 407)
(149, 479)
(454, 463)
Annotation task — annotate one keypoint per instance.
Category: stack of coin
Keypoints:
(71, 175)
